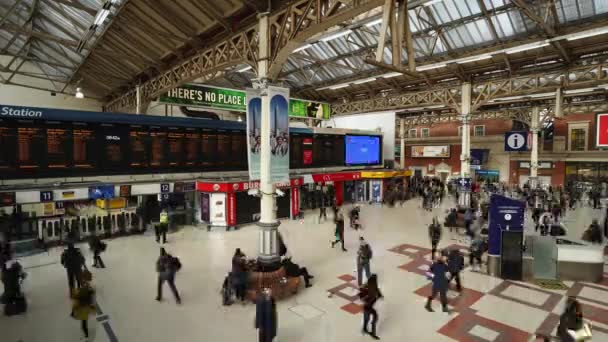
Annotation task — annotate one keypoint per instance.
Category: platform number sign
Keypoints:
(164, 188)
(46, 196)
(516, 141)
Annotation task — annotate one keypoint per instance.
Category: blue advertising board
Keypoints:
(101, 192)
(504, 214)
(516, 141)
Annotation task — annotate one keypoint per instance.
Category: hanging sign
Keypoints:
(254, 132)
(279, 134)
(516, 141)
(308, 109)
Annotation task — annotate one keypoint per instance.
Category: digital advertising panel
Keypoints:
(439, 151)
(601, 138)
(363, 150)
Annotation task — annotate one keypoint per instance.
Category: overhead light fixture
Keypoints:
(526, 47)
(79, 94)
(336, 35)
(302, 48)
(391, 75)
(374, 22)
(247, 68)
(101, 17)
(339, 86)
(587, 34)
(365, 80)
(239, 119)
(430, 67)
(474, 59)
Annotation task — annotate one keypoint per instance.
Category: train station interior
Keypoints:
(303, 170)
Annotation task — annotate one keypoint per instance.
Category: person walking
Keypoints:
(339, 233)
(167, 267)
(364, 257)
(455, 265)
(74, 263)
(266, 316)
(239, 274)
(97, 246)
(369, 294)
(477, 248)
(438, 274)
(434, 234)
(83, 303)
(163, 227)
(468, 219)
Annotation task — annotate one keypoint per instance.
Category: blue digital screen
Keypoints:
(363, 150)
(101, 192)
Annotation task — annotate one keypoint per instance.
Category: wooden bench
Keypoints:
(281, 285)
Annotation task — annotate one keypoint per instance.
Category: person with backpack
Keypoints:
(455, 265)
(364, 257)
(434, 235)
(83, 302)
(167, 267)
(438, 274)
(74, 263)
(97, 247)
(369, 294)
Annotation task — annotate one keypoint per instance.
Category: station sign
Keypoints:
(601, 139)
(46, 196)
(205, 96)
(516, 141)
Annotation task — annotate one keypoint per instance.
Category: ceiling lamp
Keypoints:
(79, 94)
(100, 17)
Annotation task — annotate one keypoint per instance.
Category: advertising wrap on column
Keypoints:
(254, 132)
(279, 134)
(295, 201)
(231, 209)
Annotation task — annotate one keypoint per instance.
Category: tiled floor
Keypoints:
(489, 309)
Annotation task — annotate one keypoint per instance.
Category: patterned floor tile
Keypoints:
(465, 300)
(463, 328)
(352, 308)
(524, 294)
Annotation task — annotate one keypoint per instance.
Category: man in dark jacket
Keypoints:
(455, 265)
(606, 224)
(167, 267)
(339, 233)
(74, 262)
(266, 320)
(364, 257)
(97, 246)
(434, 235)
(439, 271)
(294, 270)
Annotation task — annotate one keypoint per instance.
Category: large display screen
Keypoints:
(363, 150)
(31, 147)
(8, 152)
(602, 130)
(58, 141)
(442, 151)
(83, 147)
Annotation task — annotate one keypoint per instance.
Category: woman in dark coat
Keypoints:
(239, 274)
(438, 271)
(339, 232)
(370, 293)
(266, 320)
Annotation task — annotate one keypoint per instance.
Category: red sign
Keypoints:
(602, 130)
(231, 209)
(307, 157)
(241, 186)
(333, 177)
(295, 201)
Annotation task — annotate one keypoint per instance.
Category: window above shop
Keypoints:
(577, 136)
(411, 133)
(479, 131)
(425, 132)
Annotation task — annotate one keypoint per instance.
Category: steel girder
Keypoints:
(289, 28)
(484, 92)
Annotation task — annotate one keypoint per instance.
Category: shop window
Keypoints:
(578, 138)
(411, 133)
(425, 132)
(479, 131)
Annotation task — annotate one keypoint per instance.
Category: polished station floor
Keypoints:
(489, 309)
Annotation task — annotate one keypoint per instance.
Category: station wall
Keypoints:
(20, 96)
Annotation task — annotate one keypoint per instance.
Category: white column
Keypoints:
(402, 143)
(268, 254)
(534, 154)
(138, 100)
(465, 156)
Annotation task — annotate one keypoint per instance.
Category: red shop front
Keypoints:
(336, 179)
(228, 204)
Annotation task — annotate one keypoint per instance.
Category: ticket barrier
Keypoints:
(50, 230)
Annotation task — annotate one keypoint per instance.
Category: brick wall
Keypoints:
(561, 128)
(453, 161)
(557, 173)
(450, 129)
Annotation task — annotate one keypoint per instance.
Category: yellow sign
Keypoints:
(385, 174)
(49, 209)
(114, 203)
(67, 194)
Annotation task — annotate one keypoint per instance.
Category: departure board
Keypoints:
(138, 141)
(158, 153)
(57, 147)
(239, 150)
(191, 148)
(209, 148)
(83, 147)
(223, 148)
(113, 147)
(8, 142)
(176, 147)
(31, 147)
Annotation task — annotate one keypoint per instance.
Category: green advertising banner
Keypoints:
(196, 95)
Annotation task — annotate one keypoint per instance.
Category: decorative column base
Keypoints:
(269, 259)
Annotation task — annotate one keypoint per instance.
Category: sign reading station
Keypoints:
(198, 95)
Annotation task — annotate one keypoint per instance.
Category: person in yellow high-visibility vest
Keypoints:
(163, 226)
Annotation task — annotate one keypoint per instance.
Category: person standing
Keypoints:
(339, 233)
(477, 248)
(97, 246)
(369, 294)
(606, 224)
(239, 274)
(167, 267)
(455, 265)
(438, 272)
(74, 263)
(468, 219)
(434, 235)
(364, 257)
(163, 227)
(266, 316)
(83, 303)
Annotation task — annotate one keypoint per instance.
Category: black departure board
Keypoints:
(239, 150)
(138, 142)
(209, 148)
(8, 150)
(113, 147)
(58, 141)
(191, 148)
(83, 147)
(158, 152)
(175, 141)
(31, 148)
(223, 148)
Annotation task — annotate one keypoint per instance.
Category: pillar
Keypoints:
(268, 251)
(402, 143)
(534, 123)
(138, 102)
(464, 198)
